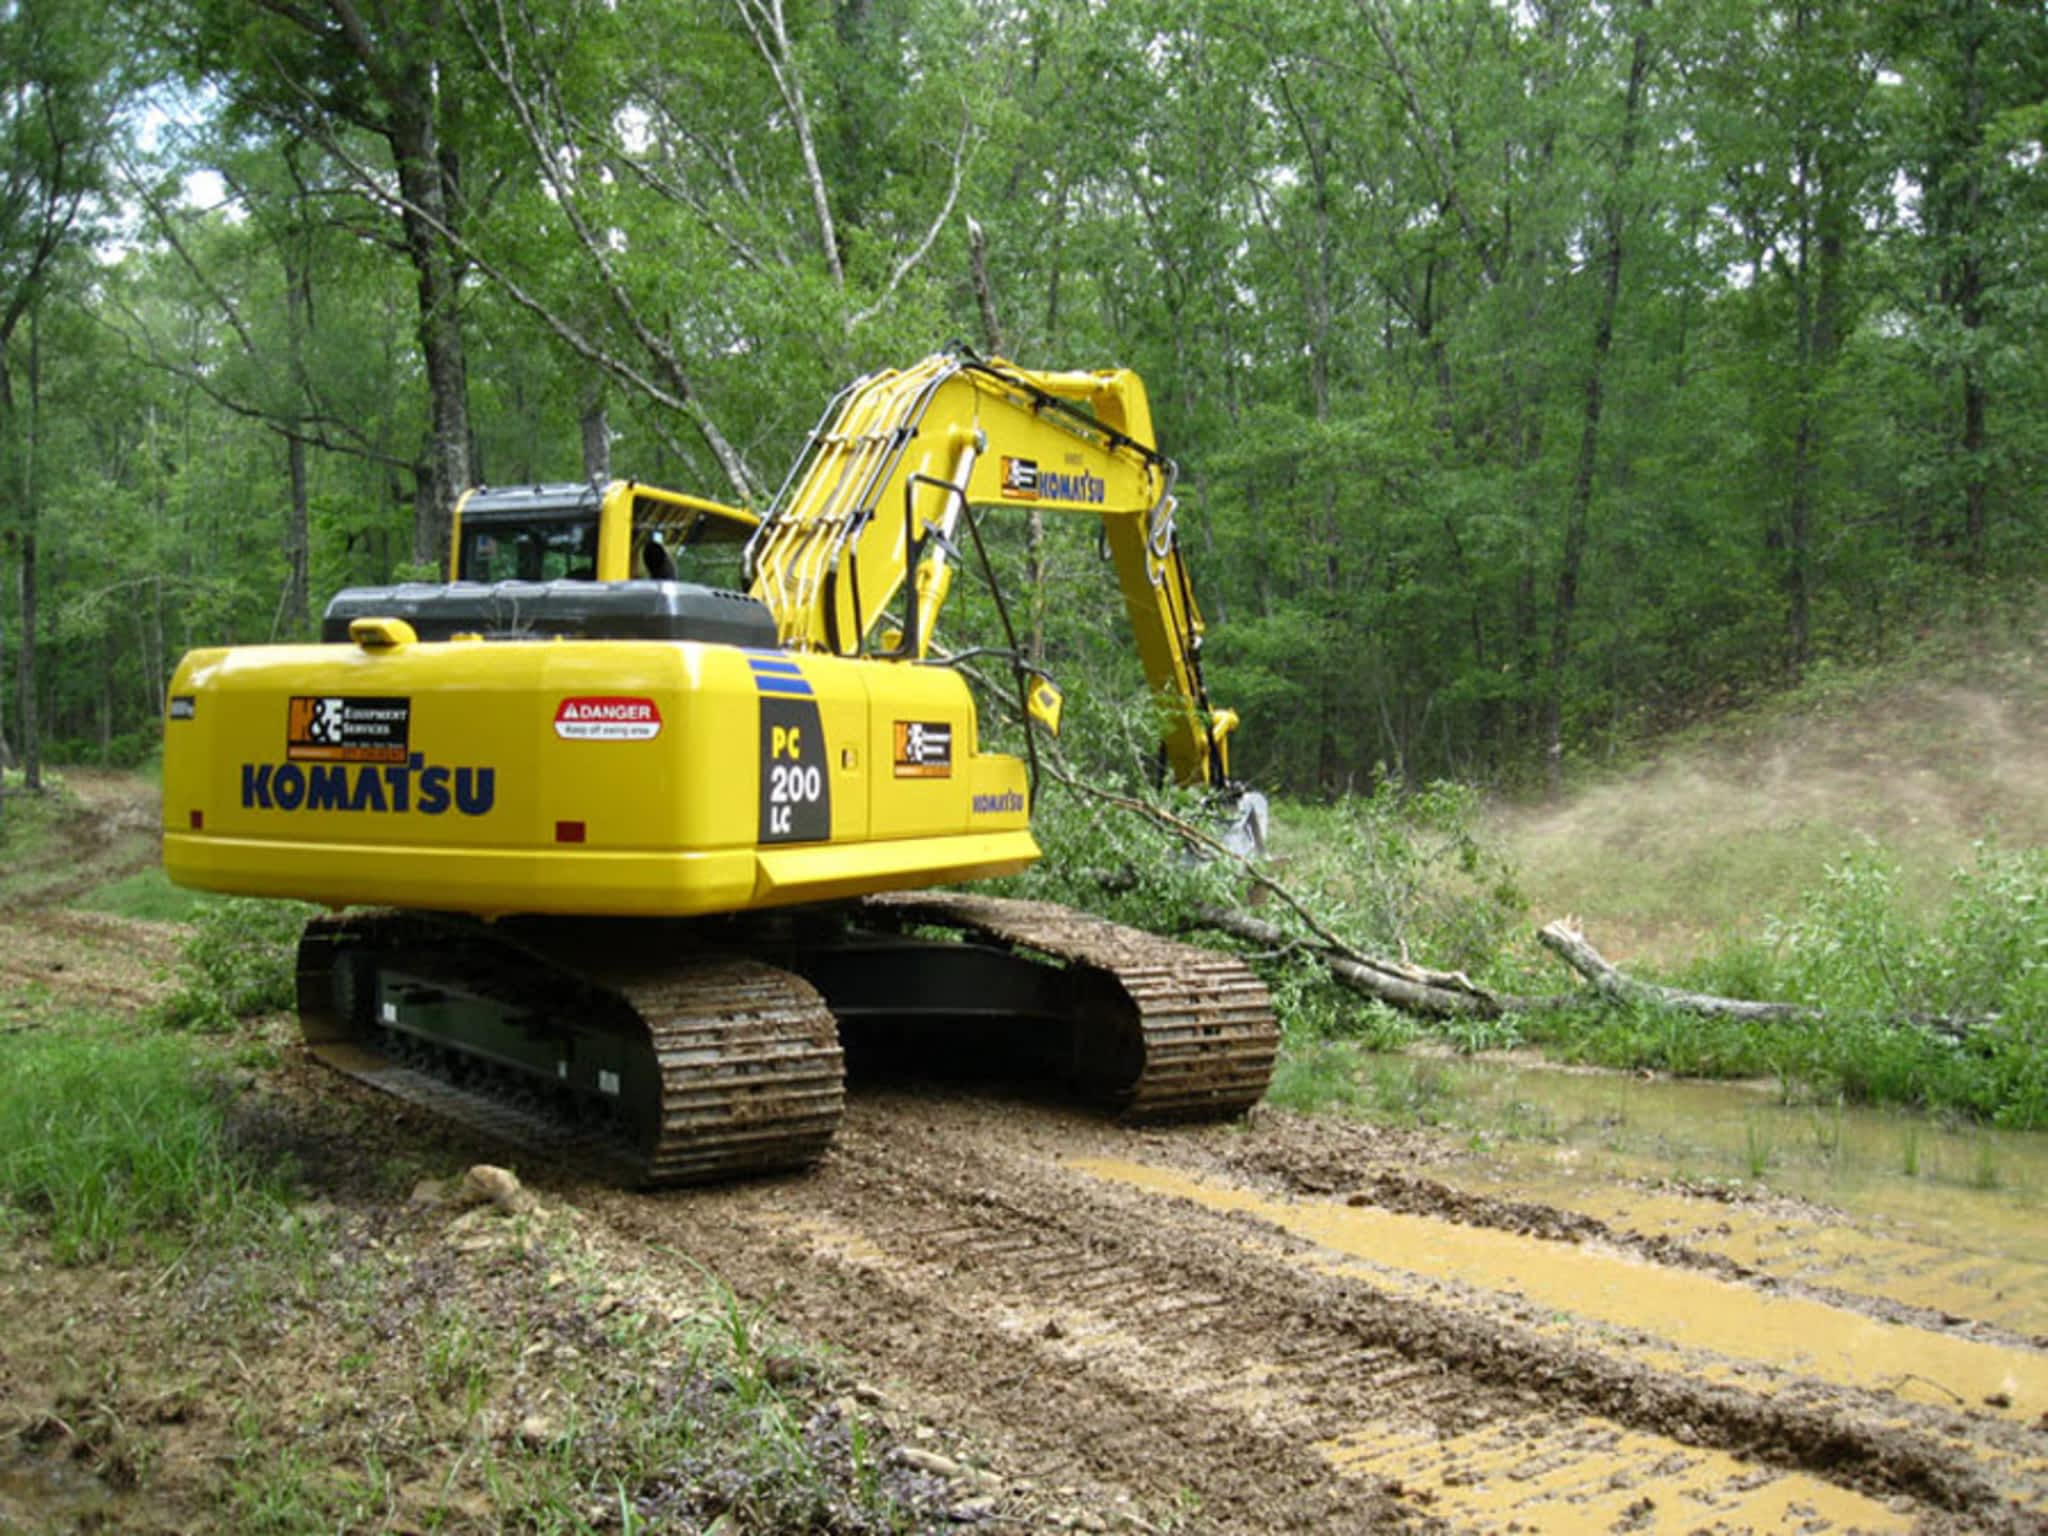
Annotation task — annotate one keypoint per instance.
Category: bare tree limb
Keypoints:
(575, 340)
(313, 431)
(1447, 186)
(1411, 989)
(503, 67)
(984, 291)
(782, 67)
(910, 260)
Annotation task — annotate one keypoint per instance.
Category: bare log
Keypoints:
(1564, 939)
(1411, 988)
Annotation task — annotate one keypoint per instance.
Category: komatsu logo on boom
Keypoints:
(390, 787)
(1023, 480)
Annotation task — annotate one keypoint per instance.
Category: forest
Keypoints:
(1539, 374)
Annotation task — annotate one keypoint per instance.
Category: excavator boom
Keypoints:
(876, 502)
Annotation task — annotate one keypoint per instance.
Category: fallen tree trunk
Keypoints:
(1563, 939)
(1451, 994)
(1411, 988)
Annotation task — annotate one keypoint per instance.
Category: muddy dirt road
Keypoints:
(1305, 1325)
(1300, 1326)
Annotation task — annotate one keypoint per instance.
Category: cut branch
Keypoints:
(916, 254)
(1564, 939)
(1412, 989)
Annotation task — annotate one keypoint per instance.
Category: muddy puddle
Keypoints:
(1648, 1310)
(1715, 1330)
(1885, 1203)
(42, 1490)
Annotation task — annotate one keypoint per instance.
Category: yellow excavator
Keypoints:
(637, 846)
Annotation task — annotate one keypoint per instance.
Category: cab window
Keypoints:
(700, 548)
(535, 551)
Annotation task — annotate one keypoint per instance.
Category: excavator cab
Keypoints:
(596, 532)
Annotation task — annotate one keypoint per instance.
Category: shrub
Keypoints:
(239, 962)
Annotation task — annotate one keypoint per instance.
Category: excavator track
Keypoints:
(1177, 1033)
(712, 1066)
(715, 1064)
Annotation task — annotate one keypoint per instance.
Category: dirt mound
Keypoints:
(91, 827)
(1735, 823)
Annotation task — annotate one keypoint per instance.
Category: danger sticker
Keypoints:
(608, 719)
(924, 749)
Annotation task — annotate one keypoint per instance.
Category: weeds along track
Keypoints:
(1120, 1311)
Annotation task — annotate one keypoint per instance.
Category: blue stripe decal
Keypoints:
(795, 685)
(777, 668)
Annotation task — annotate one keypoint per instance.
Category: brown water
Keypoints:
(1894, 1275)
(1685, 1310)
(1952, 1218)
(1559, 1471)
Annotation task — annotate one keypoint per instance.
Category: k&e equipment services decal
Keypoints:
(1020, 478)
(608, 717)
(348, 730)
(924, 749)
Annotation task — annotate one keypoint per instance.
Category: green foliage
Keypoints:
(1824, 399)
(1317, 1076)
(1848, 948)
(239, 962)
(148, 896)
(1857, 948)
(1404, 871)
(112, 1141)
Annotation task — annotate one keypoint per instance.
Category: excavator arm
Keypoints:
(871, 516)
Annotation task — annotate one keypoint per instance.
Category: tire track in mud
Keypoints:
(1419, 1196)
(1210, 1359)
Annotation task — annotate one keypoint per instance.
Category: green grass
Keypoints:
(629, 1419)
(1322, 1076)
(237, 964)
(111, 1143)
(30, 833)
(149, 896)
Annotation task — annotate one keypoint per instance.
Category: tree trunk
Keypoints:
(1575, 534)
(1970, 312)
(31, 495)
(594, 422)
(298, 537)
(106, 699)
(157, 677)
(25, 657)
(423, 182)
(6, 752)
(298, 615)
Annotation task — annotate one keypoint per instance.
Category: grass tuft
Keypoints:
(111, 1141)
(148, 896)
